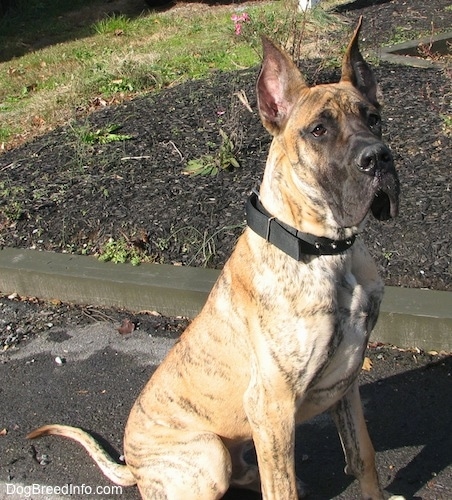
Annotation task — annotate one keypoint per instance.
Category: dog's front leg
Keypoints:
(270, 408)
(359, 452)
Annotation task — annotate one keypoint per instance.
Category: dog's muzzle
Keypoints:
(376, 160)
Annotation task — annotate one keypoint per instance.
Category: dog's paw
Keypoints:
(396, 497)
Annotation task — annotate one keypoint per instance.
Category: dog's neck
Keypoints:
(292, 242)
(282, 205)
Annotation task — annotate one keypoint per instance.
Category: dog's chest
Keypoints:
(332, 373)
(318, 327)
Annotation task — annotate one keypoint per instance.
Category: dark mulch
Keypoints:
(70, 196)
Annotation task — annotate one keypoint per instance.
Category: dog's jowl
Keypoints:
(283, 333)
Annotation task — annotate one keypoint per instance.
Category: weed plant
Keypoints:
(121, 251)
(103, 135)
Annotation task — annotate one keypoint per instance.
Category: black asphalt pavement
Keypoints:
(407, 399)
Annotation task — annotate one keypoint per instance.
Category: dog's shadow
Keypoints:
(409, 418)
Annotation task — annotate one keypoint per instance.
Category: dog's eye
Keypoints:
(373, 120)
(318, 131)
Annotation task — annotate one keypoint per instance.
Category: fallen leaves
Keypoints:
(127, 327)
(37, 121)
(367, 364)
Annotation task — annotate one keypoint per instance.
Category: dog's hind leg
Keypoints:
(359, 452)
(175, 464)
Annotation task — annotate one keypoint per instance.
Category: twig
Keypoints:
(135, 158)
(176, 149)
(243, 99)
(8, 166)
(92, 313)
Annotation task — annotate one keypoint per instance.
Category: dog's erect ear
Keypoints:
(356, 71)
(278, 87)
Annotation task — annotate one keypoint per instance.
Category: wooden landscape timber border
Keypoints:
(409, 318)
(407, 53)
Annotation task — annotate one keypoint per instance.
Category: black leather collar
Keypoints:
(288, 239)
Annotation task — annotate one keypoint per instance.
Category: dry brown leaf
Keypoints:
(3, 432)
(126, 327)
(37, 121)
(150, 313)
(367, 364)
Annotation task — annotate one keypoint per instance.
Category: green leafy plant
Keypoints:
(120, 252)
(209, 164)
(387, 255)
(115, 86)
(103, 135)
(13, 211)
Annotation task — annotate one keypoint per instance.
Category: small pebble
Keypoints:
(44, 460)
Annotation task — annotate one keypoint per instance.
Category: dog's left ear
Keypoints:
(356, 71)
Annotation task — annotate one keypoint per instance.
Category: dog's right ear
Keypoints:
(278, 87)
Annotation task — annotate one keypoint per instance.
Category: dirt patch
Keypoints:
(21, 319)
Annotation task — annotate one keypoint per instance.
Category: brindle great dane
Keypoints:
(283, 333)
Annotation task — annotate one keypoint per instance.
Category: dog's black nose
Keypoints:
(374, 158)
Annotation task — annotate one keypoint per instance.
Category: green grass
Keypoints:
(56, 60)
(10, 204)
(116, 24)
(5, 134)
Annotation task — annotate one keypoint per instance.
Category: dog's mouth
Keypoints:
(385, 204)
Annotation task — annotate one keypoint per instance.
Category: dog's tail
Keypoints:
(119, 474)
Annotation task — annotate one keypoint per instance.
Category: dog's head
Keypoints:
(327, 166)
